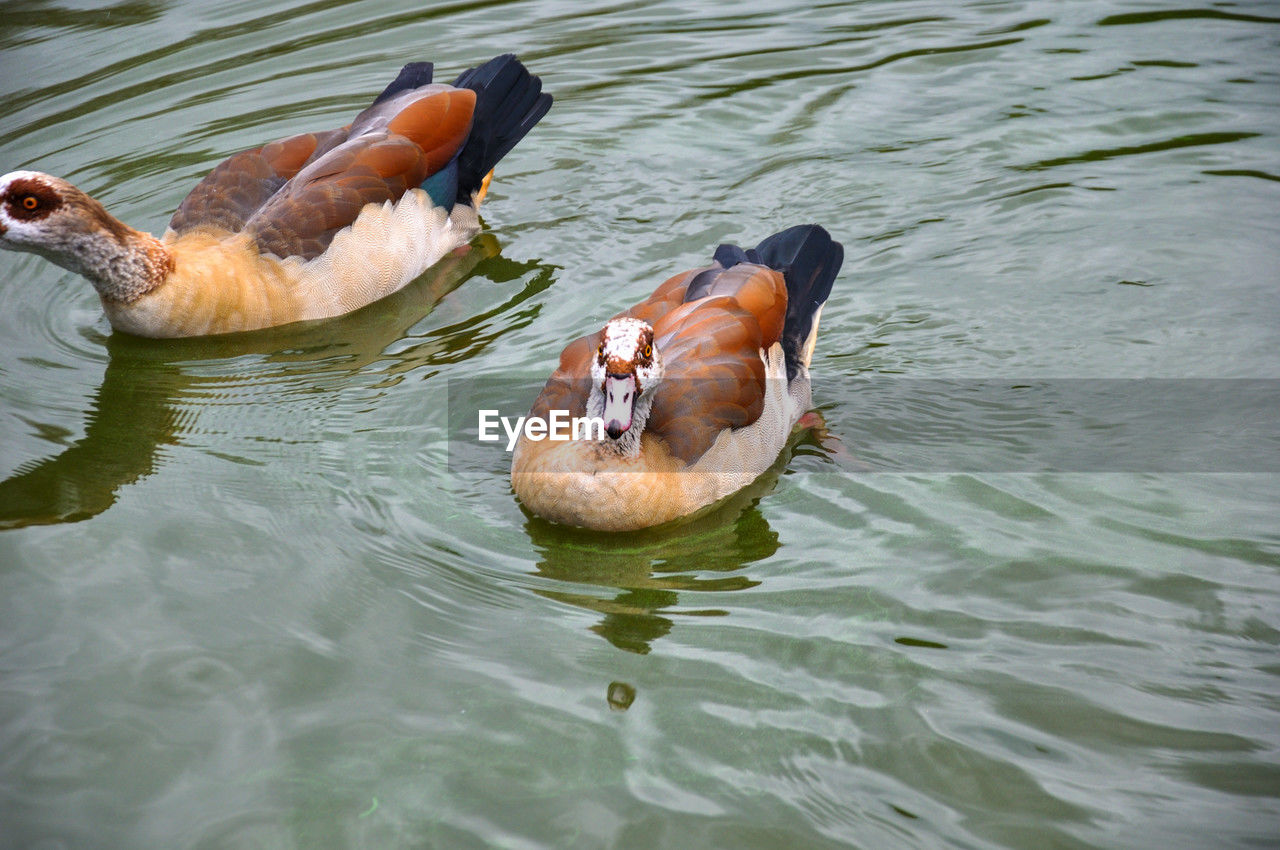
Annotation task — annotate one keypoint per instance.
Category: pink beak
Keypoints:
(619, 399)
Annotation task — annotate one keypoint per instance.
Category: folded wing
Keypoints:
(293, 195)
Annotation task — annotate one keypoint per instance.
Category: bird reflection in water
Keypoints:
(650, 569)
(150, 395)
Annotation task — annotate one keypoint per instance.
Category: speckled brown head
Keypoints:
(39, 210)
(625, 372)
(27, 199)
(46, 215)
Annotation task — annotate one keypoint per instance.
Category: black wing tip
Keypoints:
(509, 102)
(413, 75)
(809, 260)
(786, 246)
(486, 71)
(794, 252)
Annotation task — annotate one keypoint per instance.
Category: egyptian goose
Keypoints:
(696, 390)
(308, 227)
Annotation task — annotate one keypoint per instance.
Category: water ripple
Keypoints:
(250, 602)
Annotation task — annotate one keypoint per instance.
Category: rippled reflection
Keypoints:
(149, 388)
(297, 626)
(653, 569)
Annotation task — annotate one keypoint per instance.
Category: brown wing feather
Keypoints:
(292, 196)
(438, 124)
(714, 379)
(664, 299)
(237, 187)
(711, 346)
(762, 292)
(759, 290)
(302, 218)
(378, 165)
(569, 386)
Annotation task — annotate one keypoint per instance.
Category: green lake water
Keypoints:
(253, 595)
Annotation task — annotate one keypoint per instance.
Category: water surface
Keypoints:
(248, 602)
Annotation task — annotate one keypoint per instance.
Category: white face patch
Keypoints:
(622, 339)
(19, 175)
(625, 373)
(30, 205)
(627, 349)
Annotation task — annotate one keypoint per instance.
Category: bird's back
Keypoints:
(320, 224)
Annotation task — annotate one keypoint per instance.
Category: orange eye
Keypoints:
(648, 351)
(30, 202)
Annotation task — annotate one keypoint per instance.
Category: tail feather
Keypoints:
(809, 260)
(509, 102)
(411, 76)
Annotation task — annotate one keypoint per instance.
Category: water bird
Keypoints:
(696, 390)
(307, 227)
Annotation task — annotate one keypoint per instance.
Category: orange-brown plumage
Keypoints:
(438, 125)
(241, 184)
(702, 416)
(307, 227)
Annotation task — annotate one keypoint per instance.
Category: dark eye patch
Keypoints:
(646, 345)
(30, 200)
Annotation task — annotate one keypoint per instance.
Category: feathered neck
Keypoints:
(627, 444)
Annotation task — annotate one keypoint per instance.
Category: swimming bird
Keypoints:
(306, 227)
(693, 392)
